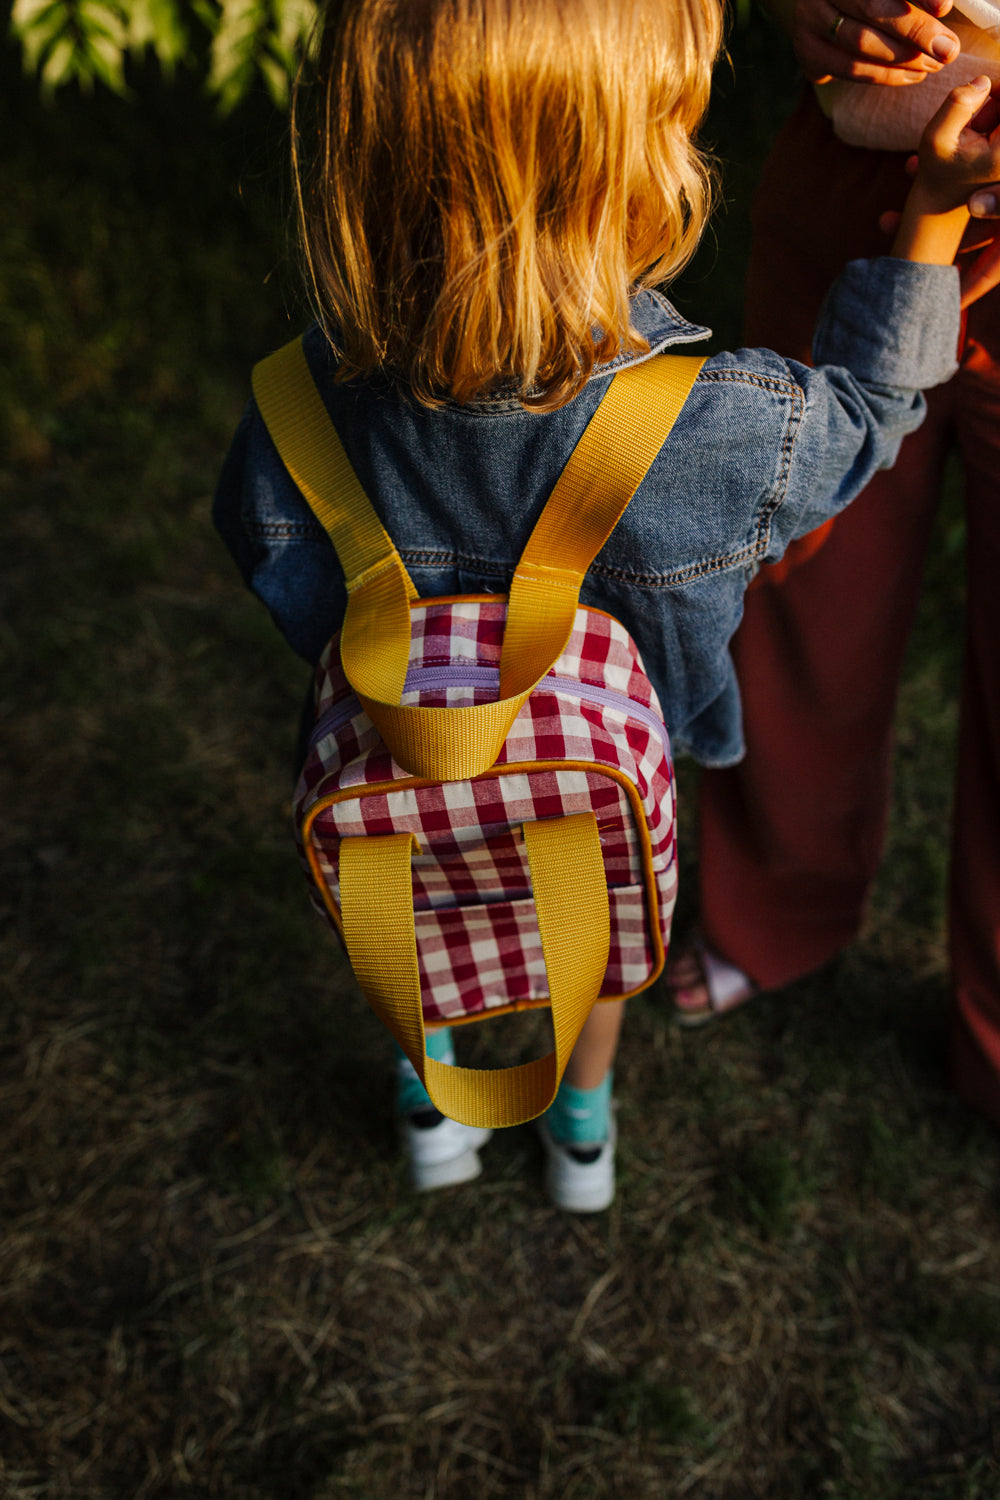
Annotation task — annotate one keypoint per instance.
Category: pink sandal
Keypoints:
(723, 986)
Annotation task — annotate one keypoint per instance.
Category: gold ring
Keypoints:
(837, 25)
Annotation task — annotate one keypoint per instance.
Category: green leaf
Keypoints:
(37, 24)
(293, 24)
(105, 60)
(205, 13)
(110, 18)
(26, 13)
(59, 65)
(234, 41)
(276, 77)
(288, 39)
(158, 24)
(98, 20)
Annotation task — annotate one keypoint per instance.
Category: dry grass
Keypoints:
(213, 1280)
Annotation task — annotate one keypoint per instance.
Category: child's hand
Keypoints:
(959, 152)
(960, 148)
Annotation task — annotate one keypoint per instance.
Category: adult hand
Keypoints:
(875, 41)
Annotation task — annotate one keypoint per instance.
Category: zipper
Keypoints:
(470, 676)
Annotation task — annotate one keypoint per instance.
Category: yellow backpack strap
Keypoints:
(571, 900)
(620, 442)
(602, 474)
(378, 586)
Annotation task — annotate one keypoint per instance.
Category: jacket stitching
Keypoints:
(495, 568)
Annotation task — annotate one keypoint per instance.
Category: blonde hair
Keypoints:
(492, 179)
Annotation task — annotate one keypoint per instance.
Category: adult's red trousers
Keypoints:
(791, 838)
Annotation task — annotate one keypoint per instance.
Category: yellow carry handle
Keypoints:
(571, 901)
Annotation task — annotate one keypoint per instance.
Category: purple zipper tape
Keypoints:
(431, 678)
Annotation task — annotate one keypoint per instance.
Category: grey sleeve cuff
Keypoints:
(891, 322)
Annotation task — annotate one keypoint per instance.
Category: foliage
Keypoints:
(232, 42)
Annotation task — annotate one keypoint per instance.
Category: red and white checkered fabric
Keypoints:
(590, 737)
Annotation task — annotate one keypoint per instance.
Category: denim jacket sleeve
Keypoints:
(887, 331)
(282, 552)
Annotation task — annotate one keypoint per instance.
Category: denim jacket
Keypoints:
(764, 450)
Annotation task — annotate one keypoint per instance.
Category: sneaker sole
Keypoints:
(430, 1175)
(578, 1203)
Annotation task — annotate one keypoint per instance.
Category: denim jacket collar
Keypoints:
(660, 324)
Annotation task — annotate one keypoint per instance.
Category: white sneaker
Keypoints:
(579, 1178)
(442, 1152)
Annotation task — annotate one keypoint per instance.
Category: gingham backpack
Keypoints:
(486, 810)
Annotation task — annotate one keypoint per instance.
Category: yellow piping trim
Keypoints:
(415, 783)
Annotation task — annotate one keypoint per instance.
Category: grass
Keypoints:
(213, 1279)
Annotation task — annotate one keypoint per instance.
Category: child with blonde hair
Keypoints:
(492, 194)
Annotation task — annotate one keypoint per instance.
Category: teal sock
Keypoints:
(410, 1092)
(581, 1117)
